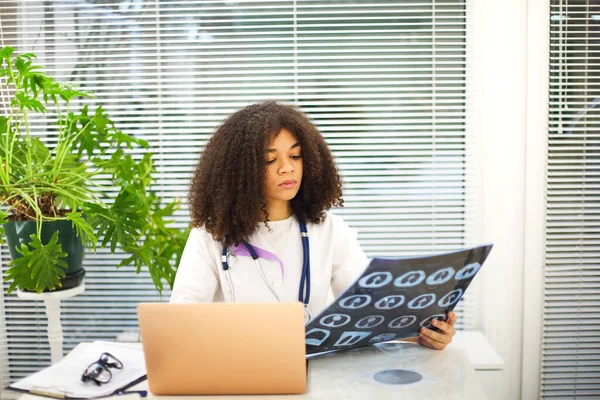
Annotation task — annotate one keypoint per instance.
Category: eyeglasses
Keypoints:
(99, 372)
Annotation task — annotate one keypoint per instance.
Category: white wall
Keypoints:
(504, 108)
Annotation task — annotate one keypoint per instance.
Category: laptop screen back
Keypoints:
(223, 348)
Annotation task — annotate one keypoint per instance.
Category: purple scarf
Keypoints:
(241, 250)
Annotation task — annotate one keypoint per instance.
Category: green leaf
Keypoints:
(21, 65)
(38, 81)
(83, 229)
(38, 269)
(149, 255)
(28, 56)
(67, 92)
(19, 165)
(39, 151)
(101, 121)
(159, 213)
(26, 102)
(3, 220)
(124, 168)
(122, 223)
(6, 52)
(145, 170)
(89, 139)
(123, 138)
(160, 253)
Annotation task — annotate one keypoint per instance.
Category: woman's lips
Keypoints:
(287, 184)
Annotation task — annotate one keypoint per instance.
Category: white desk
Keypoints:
(447, 374)
(482, 355)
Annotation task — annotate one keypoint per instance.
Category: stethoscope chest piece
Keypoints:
(307, 316)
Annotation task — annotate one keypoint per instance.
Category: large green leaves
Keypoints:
(122, 222)
(24, 101)
(90, 159)
(157, 253)
(40, 268)
(83, 229)
(90, 131)
(161, 246)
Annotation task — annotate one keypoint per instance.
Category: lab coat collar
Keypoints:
(262, 247)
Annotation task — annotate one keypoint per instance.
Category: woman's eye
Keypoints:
(297, 157)
(269, 162)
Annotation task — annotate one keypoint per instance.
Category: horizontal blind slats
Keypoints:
(570, 349)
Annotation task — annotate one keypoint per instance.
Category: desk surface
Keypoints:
(447, 374)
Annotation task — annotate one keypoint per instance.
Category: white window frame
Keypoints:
(538, 86)
(515, 47)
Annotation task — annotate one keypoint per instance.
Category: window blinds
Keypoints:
(387, 82)
(571, 326)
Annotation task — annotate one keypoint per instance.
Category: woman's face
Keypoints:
(284, 167)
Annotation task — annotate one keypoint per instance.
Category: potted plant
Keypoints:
(93, 186)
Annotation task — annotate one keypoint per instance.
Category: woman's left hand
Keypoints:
(439, 340)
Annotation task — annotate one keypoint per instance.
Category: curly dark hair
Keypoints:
(226, 194)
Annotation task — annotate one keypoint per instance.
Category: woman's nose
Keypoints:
(286, 166)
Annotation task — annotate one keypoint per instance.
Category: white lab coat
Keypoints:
(336, 261)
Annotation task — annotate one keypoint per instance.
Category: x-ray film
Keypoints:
(394, 298)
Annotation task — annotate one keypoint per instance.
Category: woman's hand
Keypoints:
(439, 340)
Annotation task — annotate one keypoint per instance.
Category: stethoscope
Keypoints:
(304, 291)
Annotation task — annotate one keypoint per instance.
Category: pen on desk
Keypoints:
(57, 394)
(134, 395)
(142, 393)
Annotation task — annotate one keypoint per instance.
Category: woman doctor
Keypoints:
(265, 177)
